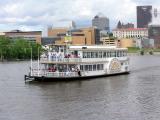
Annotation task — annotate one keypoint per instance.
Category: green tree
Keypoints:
(4, 47)
(18, 49)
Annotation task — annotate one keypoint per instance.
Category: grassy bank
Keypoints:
(133, 50)
(143, 50)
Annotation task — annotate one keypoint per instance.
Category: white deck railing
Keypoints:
(61, 60)
(53, 74)
(70, 60)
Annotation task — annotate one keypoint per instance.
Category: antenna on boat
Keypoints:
(38, 61)
(31, 61)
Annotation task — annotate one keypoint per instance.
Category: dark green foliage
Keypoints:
(110, 34)
(151, 52)
(18, 49)
(133, 49)
(141, 52)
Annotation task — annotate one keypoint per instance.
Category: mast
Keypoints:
(31, 61)
(38, 61)
(68, 41)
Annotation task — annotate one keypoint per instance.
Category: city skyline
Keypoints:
(25, 15)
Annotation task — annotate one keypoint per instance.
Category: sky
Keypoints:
(38, 14)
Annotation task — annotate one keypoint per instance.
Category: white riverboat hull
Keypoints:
(46, 78)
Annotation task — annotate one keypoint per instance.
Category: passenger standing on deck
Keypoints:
(79, 72)
(49, 56)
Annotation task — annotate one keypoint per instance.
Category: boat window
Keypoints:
(104, 54)
(84, 54)
(92, 55)
(86, 67)
(123, 53)
(81, 67)
(88, 55)
(108, 54)
(94, 67)
(101, 66)
(100, 54)
(90, 67)
(98, 67)
(96, 54)
(120, 53)
(112, 54)
(117, 53)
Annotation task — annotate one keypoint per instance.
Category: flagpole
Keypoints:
(38, 61)
(31, 61)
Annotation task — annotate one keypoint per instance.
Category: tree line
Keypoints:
(18, 49)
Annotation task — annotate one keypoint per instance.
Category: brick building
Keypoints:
(82, 36)
(31, 36)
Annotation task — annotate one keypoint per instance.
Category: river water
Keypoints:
(126, 97)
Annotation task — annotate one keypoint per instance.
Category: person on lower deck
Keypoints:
(79, 72)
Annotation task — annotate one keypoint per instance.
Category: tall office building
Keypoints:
(144, 16)
(101, 22)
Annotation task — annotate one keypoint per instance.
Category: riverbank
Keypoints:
(146, 51)
(17, 60)
(138, 54)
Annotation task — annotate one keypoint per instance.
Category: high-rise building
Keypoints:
(101, 22)
(144, 16)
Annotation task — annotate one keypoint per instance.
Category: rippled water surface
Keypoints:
(127, 97)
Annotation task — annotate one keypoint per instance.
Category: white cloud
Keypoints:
(38, 14)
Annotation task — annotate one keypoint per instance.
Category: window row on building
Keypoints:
(130, 36)
(104, 54)
(92, 67)
(130, 32)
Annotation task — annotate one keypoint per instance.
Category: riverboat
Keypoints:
(73, 62)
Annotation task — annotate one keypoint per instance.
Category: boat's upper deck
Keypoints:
(83, 54)
(95, 47)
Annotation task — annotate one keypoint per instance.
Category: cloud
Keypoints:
(41, 13)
